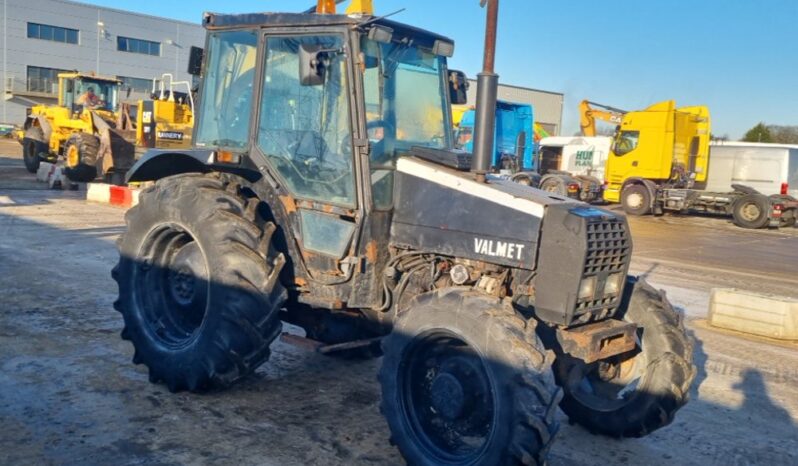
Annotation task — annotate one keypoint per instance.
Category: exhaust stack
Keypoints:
(487, 88)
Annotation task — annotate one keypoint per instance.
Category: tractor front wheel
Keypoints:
(633, 394)
(465, 382)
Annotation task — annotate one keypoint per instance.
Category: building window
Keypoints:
(136, 84)
(54, 33)
(43, 79)
(127, 44)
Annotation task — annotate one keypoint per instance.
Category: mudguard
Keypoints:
(161, 163)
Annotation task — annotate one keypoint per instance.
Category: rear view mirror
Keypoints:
(313, 64)
(195, 61)
(458, 87)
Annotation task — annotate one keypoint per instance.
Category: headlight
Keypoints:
(613, 284)
(587, 289)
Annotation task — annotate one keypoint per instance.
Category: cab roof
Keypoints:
(216, 21)
(92, 76)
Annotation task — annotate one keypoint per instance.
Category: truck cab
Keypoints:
(661, 144)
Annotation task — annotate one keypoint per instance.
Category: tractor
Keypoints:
(323, 191)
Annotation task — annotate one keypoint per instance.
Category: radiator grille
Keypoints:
(608, 253)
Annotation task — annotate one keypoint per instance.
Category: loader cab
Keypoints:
(79, 91)
(325, 105)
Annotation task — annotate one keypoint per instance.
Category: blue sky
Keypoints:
(739, 57)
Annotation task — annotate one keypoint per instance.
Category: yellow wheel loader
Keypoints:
(95, 134)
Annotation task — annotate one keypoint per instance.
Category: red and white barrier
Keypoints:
(120, 196)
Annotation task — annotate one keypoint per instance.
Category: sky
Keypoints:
(739, 57)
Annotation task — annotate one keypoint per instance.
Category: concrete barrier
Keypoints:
(120, 196)
(755, 313)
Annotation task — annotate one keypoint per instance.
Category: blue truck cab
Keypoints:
(513, 149)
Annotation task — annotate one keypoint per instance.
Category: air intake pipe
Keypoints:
(487, 88)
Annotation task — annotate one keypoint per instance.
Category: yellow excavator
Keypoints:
(589, 112)
(96, 134)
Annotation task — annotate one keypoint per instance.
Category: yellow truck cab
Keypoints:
(661, 145)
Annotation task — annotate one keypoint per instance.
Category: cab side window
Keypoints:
(304, 129)
(626, 142)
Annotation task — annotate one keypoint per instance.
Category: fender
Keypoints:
(650, 186)
(161, 163)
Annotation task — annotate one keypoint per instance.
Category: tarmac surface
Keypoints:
(69, 393)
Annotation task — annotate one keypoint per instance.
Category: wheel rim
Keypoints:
(73, 156)
(607, 385)
(750, 212)
(447, 398)
(524, 181)
(172, 286)
(552, 188)
(634, 200)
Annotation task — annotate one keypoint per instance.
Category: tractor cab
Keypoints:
(81, 91)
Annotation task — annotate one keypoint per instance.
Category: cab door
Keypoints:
(304, 131)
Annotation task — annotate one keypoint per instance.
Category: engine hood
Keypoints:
(441, 209)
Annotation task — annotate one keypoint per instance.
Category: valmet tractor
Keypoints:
(323, 191)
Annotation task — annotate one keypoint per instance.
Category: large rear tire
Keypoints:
(635, 394)
(465, 382)
(198, 282)
(81, 151)
(33, 146)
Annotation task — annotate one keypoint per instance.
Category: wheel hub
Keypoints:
(172, 285)
(73, 157)
(634, 200)
(185, 270)
(751, 212)
(448, 396)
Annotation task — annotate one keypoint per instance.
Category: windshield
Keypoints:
(96, 95)
(406, 105)
(226, 99)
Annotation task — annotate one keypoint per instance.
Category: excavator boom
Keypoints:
(590, 111)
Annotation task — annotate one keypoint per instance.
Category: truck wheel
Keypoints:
(751, 211)
(786, 223)
(556, 185)
(81, 151)
(198, 283)
(465, 382)
(33, 147)
(636, 200)
(635, 394)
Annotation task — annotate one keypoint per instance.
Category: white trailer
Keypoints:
(755, 183)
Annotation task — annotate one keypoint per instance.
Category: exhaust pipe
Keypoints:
(487, 88)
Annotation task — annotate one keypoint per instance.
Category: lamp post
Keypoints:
(100, 30)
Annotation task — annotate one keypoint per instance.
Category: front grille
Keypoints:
(608, 253)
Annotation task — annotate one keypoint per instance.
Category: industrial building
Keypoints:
(547, 105)
(41, 38)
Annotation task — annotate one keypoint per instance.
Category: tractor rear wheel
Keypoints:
(465, 382)
(637, 393)
(81, 151)
(198, 282)
(33, 146)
